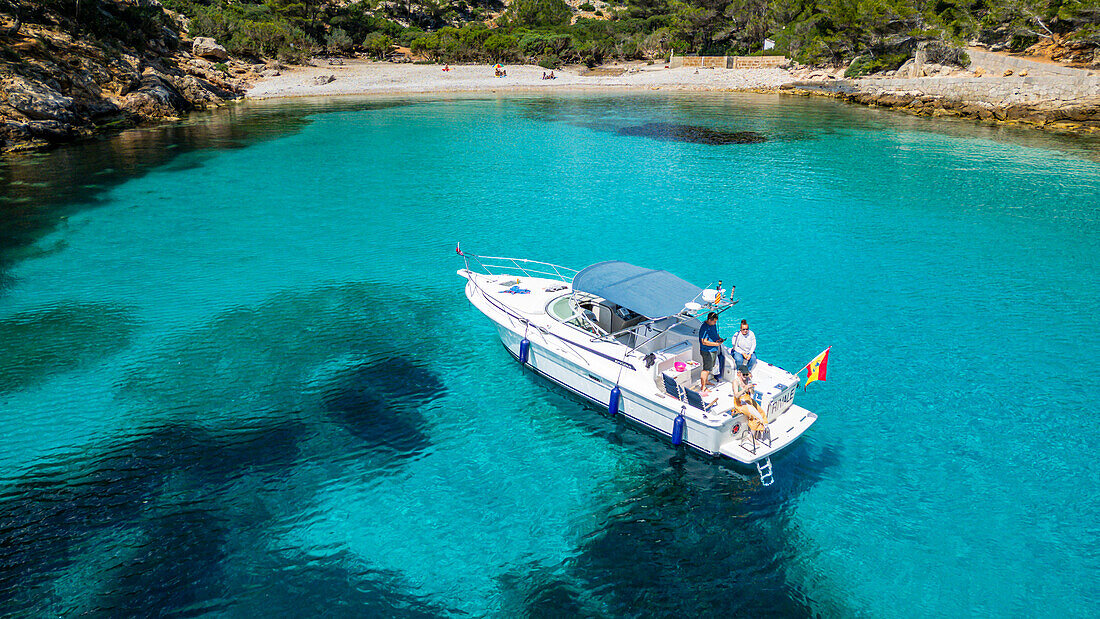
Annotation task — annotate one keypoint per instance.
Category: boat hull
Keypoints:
(591, 387)
(590, 367)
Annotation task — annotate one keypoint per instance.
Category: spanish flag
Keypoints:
(815, 370)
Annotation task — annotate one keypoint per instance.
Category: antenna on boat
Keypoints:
(458, 249)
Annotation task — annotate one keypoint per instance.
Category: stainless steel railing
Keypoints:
(500, 265)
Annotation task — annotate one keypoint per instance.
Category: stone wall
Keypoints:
(729, 62)
(997, 64)
(994, 90)
(757, 62)
(705, 61)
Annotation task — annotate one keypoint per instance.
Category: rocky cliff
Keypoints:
(70, 69)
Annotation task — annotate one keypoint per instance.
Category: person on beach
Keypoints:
(544, 75)
(708, 348)
(745, 403)
(744, 347)
(447, 67)
(552, 75)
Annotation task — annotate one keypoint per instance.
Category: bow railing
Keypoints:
(500, 265)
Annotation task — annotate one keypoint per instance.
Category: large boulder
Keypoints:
(200, 93)
(52, 130)
(18, 136)
(96, 108)
(156, 98)
(208, 48)
(38, 101)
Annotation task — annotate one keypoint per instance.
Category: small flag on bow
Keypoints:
(815, 370)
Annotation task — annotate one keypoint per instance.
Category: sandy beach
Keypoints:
(369, 77)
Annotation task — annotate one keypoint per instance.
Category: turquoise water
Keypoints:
(238, 373)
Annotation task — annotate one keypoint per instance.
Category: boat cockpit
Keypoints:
(597, 317)
(663, 342)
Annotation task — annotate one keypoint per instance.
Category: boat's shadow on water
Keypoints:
(694, 536)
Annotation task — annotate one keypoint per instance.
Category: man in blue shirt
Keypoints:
(708, 347)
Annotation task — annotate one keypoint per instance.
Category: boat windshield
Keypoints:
(596, 316)
(560, 308)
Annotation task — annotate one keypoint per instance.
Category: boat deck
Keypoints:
(783, 431)
(528, 295)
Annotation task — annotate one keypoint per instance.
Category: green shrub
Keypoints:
(550, 62)
(535, 44)
(587, 6)
(338, 41)
(1020, 42)
(1087, 33)
(427, 45)
(592, 54)
(222, 68)
(864, 65)
(377, 45)
(501, 47)
(538, 13)
(408, 36)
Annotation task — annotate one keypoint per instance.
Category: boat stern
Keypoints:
(745, 447)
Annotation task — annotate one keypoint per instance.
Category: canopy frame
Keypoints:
(651, 293)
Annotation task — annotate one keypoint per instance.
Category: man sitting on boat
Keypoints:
(744, 347)
(708, 348)
(745, 403)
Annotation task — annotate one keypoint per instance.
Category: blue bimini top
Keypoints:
(651, 293)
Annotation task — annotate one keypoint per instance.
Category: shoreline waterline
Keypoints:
(371, 78)
(377, 78)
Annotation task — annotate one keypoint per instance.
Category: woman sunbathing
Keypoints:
(745, 403)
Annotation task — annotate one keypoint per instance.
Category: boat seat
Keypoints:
(687, 396)
(694, 398)
(672, 388)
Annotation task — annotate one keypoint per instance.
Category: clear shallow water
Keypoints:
(238, 373)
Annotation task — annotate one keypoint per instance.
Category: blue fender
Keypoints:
(613, 403)
(678, 429)
(524, 350)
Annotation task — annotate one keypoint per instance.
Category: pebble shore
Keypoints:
(353, 77)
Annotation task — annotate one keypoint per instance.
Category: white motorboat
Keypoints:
(627, 339)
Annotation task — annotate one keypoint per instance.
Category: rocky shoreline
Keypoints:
(992, 87)
(1069, 117)
(56, 88)
(1078, 114)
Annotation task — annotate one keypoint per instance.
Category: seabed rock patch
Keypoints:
(675, 132)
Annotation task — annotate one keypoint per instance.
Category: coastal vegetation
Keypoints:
(878, 34)
(72, 67)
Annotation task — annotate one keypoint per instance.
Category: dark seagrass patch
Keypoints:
(675, 132)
